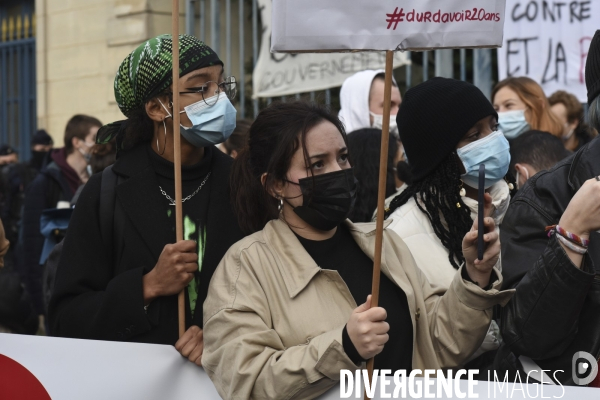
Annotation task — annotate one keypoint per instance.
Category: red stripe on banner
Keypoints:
(16, 382)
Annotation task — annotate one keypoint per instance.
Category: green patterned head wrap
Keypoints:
(147, 72)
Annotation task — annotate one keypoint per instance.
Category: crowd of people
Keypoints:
(278, 218)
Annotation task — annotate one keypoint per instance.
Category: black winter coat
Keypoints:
(556, 309)
(16, 179)
(46, 190)
(98, 298)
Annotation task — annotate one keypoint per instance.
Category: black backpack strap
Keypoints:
(111, 214)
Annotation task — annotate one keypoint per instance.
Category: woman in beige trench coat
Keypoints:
(281, 318)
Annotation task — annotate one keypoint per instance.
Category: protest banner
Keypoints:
(331, 25)
(548, 42)
(285, 74)
(41, 368)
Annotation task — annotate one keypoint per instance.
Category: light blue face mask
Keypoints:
(211, 125)
(493, 151)
(513, 123)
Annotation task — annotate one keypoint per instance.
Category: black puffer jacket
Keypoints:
(556, 309)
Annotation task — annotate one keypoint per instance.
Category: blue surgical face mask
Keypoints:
(493, 151)
(211, 125)
(513, 123)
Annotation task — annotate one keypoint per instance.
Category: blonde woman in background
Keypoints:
(522, 106)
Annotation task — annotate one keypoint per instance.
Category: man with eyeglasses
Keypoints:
(123, 285)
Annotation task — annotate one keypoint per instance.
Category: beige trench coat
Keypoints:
(273, 319)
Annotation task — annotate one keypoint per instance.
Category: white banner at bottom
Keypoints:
(41, 368)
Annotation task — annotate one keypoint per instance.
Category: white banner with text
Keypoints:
(43, 368)
(334, 25)
(285, 74)
(548, 42)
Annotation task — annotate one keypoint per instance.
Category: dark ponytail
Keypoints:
(277, 133)
(253, 205)
(437, 196)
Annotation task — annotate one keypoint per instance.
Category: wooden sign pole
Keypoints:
(177, 154)
(383, 159)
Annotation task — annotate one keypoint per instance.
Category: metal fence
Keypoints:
(233, 29)
(17, 77)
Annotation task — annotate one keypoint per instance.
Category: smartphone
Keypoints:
(480, 216)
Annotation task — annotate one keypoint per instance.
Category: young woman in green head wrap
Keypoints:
(125, 287)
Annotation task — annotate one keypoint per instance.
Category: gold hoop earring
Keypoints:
(165, 143)
(157, 147)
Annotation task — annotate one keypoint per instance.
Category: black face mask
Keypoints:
(328, 199)
(37, 159)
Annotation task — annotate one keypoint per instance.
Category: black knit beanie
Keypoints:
(434, 117)
(41, 137)
(592, 69)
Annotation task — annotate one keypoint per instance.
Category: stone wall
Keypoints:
(80, 44)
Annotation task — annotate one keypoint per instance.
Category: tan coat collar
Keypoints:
(295, 264)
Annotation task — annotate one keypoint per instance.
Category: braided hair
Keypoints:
(437, 195)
